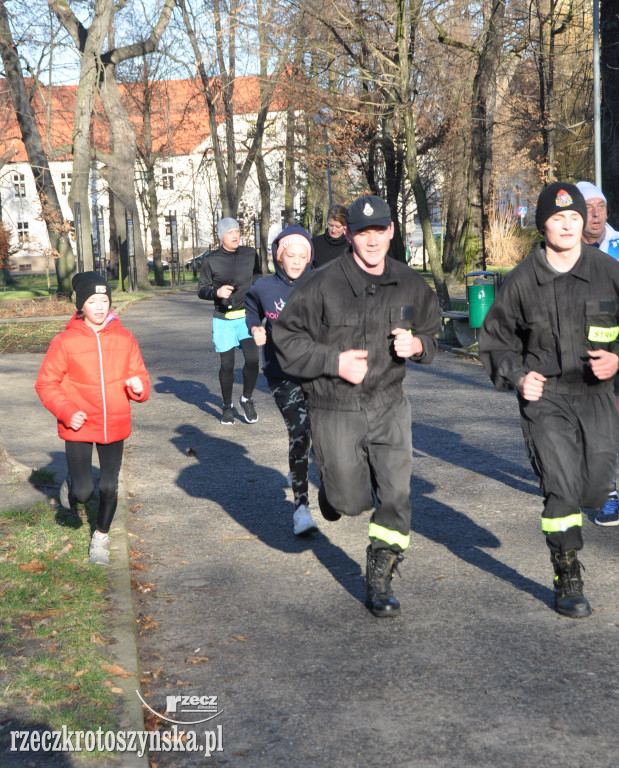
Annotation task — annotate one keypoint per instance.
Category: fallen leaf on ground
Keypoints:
(32, 567)
(115, 669)
(197, 659)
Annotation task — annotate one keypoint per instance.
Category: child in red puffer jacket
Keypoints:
(91, 372)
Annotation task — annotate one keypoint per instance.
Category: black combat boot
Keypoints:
(381, 564)
(569, 599)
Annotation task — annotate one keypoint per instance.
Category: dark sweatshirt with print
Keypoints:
(267, 298)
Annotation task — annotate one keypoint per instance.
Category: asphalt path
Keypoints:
(477, 671)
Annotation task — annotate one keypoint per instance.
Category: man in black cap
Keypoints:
(347, 333)
(552, 335)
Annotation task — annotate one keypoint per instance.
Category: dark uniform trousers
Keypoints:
(365, 457)
(571, 442)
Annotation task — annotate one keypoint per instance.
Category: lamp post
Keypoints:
(323, 118)
(192, 218)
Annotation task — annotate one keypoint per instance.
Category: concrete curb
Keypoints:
(122, 627)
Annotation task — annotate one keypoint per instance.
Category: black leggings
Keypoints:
(250, 370)
(79, 462)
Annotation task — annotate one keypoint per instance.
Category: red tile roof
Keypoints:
(179, 119)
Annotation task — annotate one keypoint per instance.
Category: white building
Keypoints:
(186, 181)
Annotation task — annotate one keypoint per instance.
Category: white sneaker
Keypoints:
(303, 522)
(99, 550)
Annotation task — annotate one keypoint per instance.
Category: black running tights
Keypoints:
(79, 462)
(250, 370)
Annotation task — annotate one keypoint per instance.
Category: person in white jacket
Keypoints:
(597, 231)
(600, 234)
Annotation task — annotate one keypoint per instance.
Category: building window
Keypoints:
(280, 172)
(22, 232)
(168, 228)
(65, 182)
(19, 184)
(167, 177)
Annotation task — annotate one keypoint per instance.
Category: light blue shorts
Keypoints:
(228, 334)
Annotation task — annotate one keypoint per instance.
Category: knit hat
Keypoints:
(86, 284)
(368, 211)
(225, 225)
(556, 197)
(293, 239)
(590, 191)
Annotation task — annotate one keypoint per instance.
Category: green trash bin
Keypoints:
(480, 295)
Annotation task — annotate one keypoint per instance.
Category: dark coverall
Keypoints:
(546, 321)
(361, 434)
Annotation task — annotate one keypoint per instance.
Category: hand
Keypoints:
(405, 344)
(77, 420)
(260, 335)
(135, 385)
(604, 364)
(225, 291)
(353, 365)
(531, 386)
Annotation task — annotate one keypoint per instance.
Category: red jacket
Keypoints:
(86, 371)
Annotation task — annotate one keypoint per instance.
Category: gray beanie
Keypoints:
(225, 225)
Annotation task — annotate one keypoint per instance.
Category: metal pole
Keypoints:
(597, 132)
(173, 250)
(131, 271)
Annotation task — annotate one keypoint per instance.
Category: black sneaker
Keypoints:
(227, 415)
(249, 411)
(609, 514)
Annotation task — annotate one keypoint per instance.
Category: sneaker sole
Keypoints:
(387, 614)
(599, 520)
(306, 531)
(250, 421)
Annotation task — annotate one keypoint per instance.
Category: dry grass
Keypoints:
(47, 307)
(507, 243)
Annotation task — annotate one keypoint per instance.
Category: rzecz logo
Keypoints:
(193, 709)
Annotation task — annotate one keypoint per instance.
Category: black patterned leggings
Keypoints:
(290, 400)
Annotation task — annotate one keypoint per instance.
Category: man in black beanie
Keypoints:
(552, 335)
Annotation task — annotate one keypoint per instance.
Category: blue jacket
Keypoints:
(265, 300)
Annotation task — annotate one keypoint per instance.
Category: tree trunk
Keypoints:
(52, 213)
(482, 124)
(609, 21)
(405, 50)
(120, 174)
(151, 202)
(289, 180)
(265, 211)
(10, 469)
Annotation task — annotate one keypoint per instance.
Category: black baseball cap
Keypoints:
(368, 211)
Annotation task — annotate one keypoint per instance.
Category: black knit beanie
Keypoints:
(556, 197)
(85, 284)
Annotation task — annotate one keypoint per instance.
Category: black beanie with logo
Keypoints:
(86, 284)
(556, 197)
